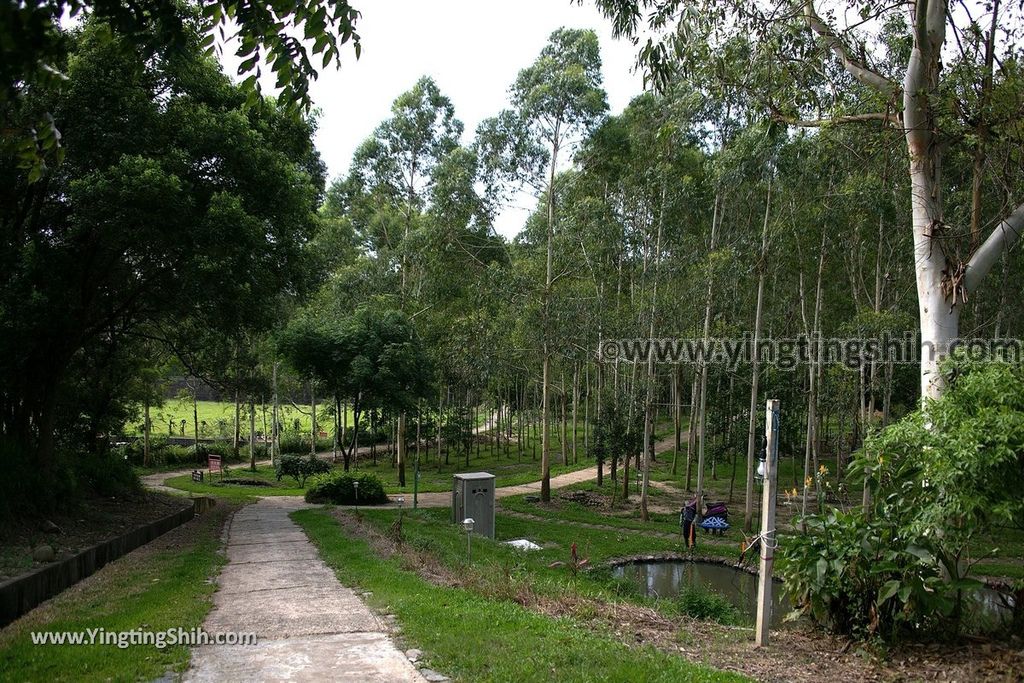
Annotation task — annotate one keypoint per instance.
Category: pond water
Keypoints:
(664, 579)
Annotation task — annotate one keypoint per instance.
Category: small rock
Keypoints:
(64, 555)
(433, 676)
(49, 527)
(531, 499)
(44, 553)
(414, 655)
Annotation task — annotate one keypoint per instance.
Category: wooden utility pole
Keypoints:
(764, 577)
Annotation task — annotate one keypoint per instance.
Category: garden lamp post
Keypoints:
(355, 484)
(467, 524)
(401, 502)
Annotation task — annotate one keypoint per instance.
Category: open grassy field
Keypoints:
(219, 418)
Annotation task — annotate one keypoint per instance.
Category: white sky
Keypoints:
(472, 48)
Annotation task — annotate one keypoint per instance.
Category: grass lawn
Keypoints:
(474, 637)
(160, 586)
(509, 468)
(507, 465)
(240, 493)
(626, 516)
(430, 530)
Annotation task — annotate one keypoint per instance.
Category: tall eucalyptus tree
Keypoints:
(888, 66)
(557, 98)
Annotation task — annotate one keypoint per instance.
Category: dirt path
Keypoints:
(310, 627)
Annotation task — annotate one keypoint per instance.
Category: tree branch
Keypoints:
(1002, 238)
(849, 118)
(856, 69)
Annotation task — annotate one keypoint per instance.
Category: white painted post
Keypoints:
(764, 578)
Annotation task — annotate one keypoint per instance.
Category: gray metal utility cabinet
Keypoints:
(473, 496)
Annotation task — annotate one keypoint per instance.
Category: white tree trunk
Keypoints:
(939, 317)
(748, 508)
(145, 436)
(312, 420)
(275, 435)
(545, 457)
(649, 399)
(702, 418)
(252, 434)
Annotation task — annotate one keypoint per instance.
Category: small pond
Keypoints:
(663, 579)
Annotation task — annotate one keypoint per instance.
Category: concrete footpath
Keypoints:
(310, 627)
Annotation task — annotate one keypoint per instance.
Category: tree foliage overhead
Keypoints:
(174, 209)
(33, 43)
(294, 39)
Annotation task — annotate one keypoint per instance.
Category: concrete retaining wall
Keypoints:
(22, 593)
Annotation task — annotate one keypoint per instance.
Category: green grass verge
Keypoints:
(475, 638)
(160, 586)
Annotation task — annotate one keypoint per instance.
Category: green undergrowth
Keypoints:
(161, 586)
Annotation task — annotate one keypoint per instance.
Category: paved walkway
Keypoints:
(310, 627)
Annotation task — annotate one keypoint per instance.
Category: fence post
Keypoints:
(764, 577)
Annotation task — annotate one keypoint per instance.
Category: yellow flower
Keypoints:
(822, 470)
(807, 482)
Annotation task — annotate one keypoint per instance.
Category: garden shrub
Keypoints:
(26, 488)
(106, 475)
(299, 443)
(339, 488)
(938, 480)
(705, 604)
(226, 450)
(300, 468)
(294, 443)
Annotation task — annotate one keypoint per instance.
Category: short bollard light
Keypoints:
(356, 485)
(468, 524)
